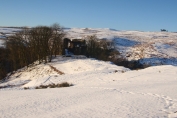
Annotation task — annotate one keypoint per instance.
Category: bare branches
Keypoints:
(38, 43)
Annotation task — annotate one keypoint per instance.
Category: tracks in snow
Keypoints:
(170, 105)
(85, 102)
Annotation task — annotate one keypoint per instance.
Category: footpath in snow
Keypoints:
(101, 90)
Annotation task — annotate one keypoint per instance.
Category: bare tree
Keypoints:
(100, 49)
(30, 45)
(57, 39)
(18, 47)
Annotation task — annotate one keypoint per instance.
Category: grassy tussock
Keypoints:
(64, 84)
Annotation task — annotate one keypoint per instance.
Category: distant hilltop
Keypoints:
(15, 27)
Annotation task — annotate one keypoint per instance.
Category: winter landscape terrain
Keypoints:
(100, 89)
(154, 48)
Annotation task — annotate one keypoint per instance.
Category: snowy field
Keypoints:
(101, 90)
(2, 42)
(152, 48)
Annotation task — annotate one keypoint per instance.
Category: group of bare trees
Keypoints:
(100, 49)
(30, 45)
(3, 62)
(106, 51)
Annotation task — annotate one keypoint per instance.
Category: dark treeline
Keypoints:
(30, 45)
(101, 49)
(104, 50)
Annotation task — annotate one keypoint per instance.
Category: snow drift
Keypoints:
(101, 89)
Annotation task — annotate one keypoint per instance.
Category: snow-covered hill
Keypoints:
(153, 48)
(101, 89)
(5, 32)
(71, 68)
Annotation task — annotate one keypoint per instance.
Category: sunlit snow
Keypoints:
(100, 89)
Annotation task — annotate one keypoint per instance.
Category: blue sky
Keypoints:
(144, 15)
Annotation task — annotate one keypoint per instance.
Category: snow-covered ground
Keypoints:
(153, 48)
(101, 90)
(6, 32)
(2, 42)
(158, 47)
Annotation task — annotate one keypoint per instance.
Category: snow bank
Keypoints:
(98, 91)
(101, 89)
(72, 68)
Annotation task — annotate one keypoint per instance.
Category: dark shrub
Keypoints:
(64, 84)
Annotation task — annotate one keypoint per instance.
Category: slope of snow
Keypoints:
(133, 45)
(7, 30)
(101, 89)
(2, 43)
(72, 68)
